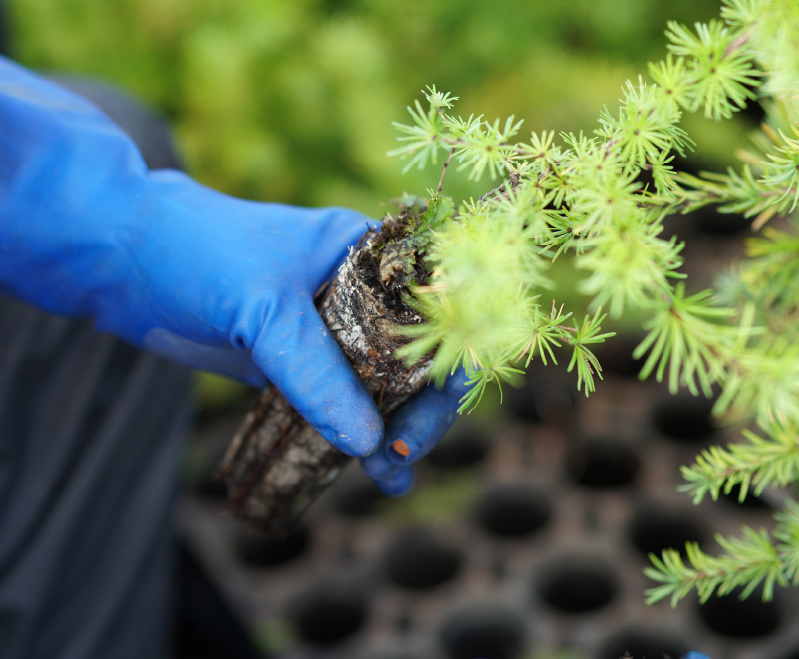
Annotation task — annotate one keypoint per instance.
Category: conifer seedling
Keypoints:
(477, 270)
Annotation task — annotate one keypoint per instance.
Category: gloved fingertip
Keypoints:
(399, 452)
(362, 434)
(696, 655)
(399, 484)
(455, 385)
(419, 425)
(378, 467)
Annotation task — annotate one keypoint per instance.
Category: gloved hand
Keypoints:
(169, 265)
(420, 423)
(696, 655)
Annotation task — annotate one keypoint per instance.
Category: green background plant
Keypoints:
(292, 100)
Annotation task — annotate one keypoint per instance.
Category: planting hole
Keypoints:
(358, 498)
(644, 646)
(523, 405)
(752, 502)
(269, 552)
(483, 632)
(653, 530)
(576, 587)
(730, 616)
(713, 223)
(685, 418)
(513, 511)
(616, 356)
(458, 450)
(327, 616)
(418, 560)
(544, 398)
(602, 464)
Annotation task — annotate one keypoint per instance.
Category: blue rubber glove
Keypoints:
(696, 655)
(420, 423)
(169, 265)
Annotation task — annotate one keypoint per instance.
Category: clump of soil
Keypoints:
(396, 259)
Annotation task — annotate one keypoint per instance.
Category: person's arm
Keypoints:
(177, 268)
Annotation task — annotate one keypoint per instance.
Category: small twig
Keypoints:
(737, 44)
(446, 164)
(498, 190)
(382, 391)
(514, 179)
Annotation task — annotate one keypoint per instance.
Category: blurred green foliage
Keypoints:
(292, 100)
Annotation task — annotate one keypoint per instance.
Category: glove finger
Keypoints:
(399, 484)
(377, 466)
(232, 362)
(420, 424)
(298, 354)
(696, 655)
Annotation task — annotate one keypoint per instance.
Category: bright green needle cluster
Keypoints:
(603, 199)
(489, 264)
(747, 562)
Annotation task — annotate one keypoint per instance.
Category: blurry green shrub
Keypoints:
(292, 100)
